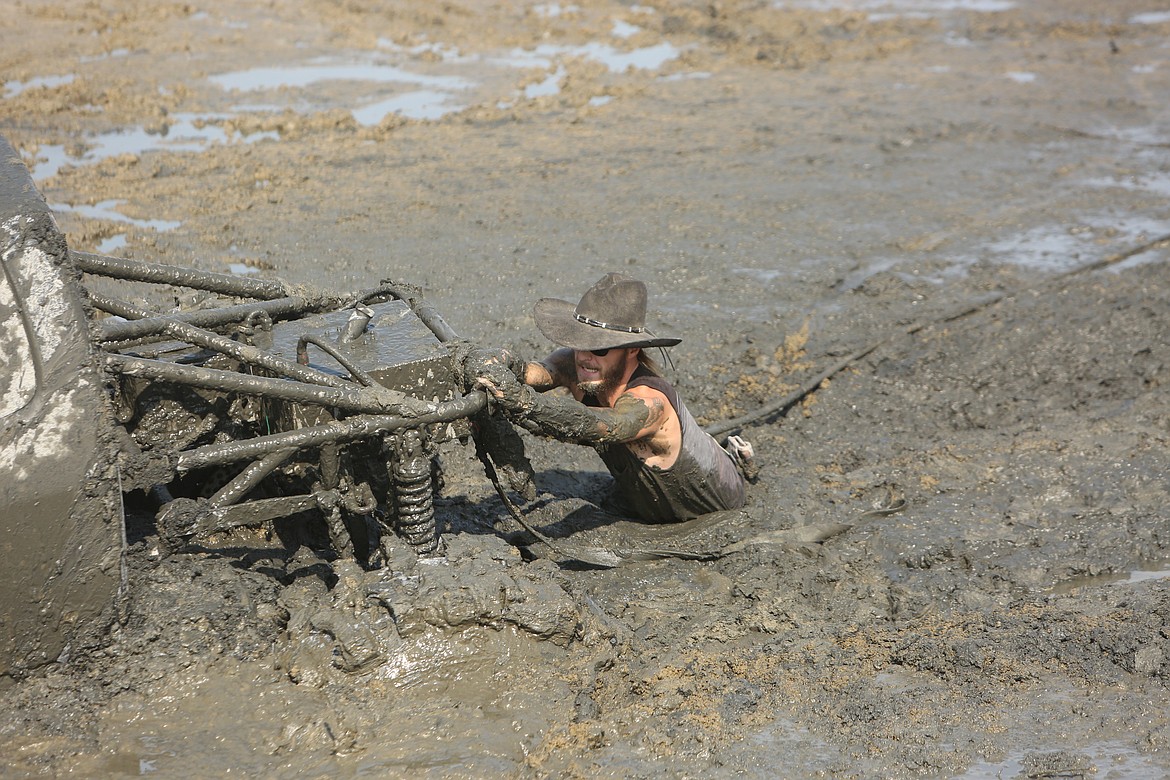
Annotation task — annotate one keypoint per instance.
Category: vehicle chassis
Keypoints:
(223, 409)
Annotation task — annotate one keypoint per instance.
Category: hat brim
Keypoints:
(557, 320)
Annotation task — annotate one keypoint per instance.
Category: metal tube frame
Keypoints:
(375, 410)
(156, 273)
(341, 432)
(356, 399)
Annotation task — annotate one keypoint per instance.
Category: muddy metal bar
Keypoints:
(234, 349)
(254, 356)
(261, 510)
(423, 310)
(303, 358)
(249, 478)
(120, 308)
(329, 433)
(118, 330)
(364, 400)
(156, 273)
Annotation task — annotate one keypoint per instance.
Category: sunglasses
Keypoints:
(599, 352)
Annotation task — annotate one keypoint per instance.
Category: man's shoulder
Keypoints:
(654, 386)
(642, 391)
(661, 405)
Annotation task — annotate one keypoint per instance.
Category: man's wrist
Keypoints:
(517, 365)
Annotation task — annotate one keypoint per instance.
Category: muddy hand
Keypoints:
(499, 381)
(481, 358)
(471, 361)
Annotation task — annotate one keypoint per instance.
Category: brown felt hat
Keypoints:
(611, 315)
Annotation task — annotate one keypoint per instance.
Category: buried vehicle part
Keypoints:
(339, 402)
(333, 405)
(253, 403)
(62, 539)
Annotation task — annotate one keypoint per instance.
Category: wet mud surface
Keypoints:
(795, 182)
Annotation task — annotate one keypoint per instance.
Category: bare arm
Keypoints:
(556, 370)
(632, 418)
(636, 416)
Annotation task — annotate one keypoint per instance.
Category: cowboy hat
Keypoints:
(611, 315)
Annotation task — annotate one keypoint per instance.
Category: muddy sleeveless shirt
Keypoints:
(702, 479)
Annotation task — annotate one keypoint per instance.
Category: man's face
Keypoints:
(597, 374)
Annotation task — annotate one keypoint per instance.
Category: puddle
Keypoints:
(14, 88)
(185, 133)
(302, 76)
(615, 60)
(554, 10)
(784, 737)
(370, 89)
(1122, 578)
(550, 86)
(1021, 77)
(107, 210)
(112, 244)
(1058, 248)
(1050, 248)
(624, 29)
(1142, 576)
(1159, 184)
(423, 104)
(315, 84)
(324, 83)
(1043, 249)
(887, 9)
(453, 707)
(684, 76)
(1148, 136)
(1151, 17)
(646, 58)
(784, 748)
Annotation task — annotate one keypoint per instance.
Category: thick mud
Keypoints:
(795, 181)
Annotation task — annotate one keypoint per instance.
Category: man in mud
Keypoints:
(665, 467)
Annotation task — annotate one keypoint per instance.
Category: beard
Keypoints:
(608, 380)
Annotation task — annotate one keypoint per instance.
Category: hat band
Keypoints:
(623, 328)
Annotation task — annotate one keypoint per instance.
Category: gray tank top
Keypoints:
(703, 479)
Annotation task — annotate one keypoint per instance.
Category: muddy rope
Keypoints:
(592, 556)
(781, 407)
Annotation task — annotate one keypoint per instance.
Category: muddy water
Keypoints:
(794, 181)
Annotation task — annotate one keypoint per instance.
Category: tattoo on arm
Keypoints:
(629, 416)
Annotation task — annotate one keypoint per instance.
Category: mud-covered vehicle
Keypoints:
(255, 403)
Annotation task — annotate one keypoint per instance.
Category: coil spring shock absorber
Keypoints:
(411, 475)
